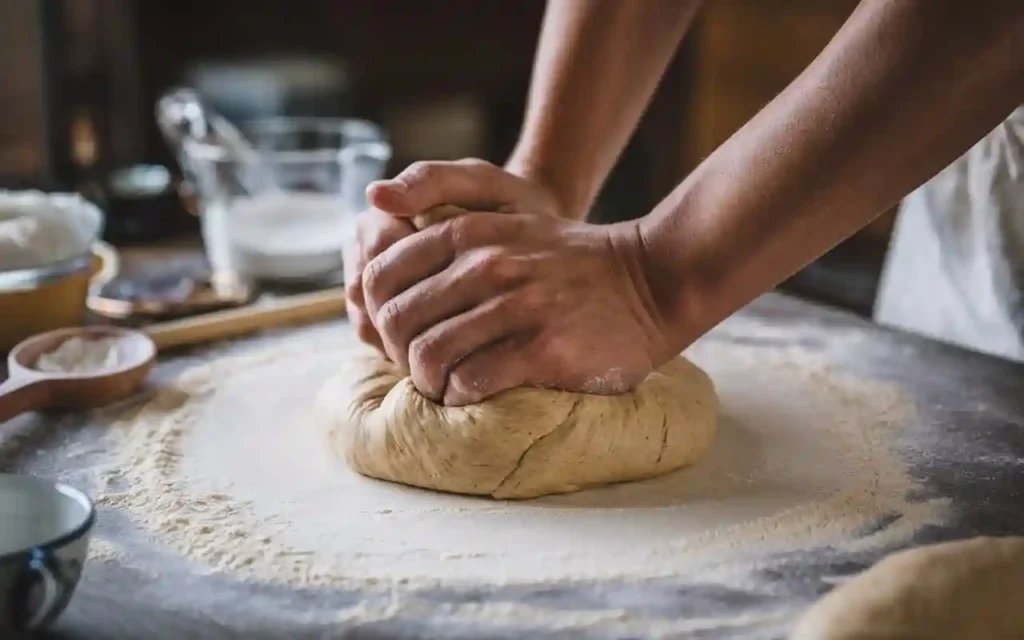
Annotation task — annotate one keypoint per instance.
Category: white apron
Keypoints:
(955, 269)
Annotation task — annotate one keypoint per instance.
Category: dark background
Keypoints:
(447, 78)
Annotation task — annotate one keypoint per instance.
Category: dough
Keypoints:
(522, 443)
(965, 590)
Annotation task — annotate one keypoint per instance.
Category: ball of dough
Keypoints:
(963, 590)
(522, 443)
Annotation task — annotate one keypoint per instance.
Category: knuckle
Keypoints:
(463, 230)
(372, 277)
(476, 163)
(557, 348)
(377, 244)
(388, 318)
(534, 299)
(427, 365)
(426, 352)
(378, 236)
(495, 264)
(522, 304)
(420, 171)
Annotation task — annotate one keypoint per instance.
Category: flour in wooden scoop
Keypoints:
(227, 468)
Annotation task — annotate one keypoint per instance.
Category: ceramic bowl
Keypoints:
(44, 540)
(51, 296)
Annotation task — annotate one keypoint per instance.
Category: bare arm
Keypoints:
(597, 66)
(491, 301)
(903, 89)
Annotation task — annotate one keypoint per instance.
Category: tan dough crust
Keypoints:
(964, 590)
(522, 443)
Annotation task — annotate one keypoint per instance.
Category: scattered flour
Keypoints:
(226, 468)
(102, 550)
(83, 356)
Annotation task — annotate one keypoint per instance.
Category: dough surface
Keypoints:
(965, 590)
(522, 443)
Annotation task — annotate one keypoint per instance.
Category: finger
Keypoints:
(375, 232)
(379, 231)
(438, 351)
(470, 280)
(469, 184)
(426, 253)
(355, 309)
(364, 329)
(488, 371)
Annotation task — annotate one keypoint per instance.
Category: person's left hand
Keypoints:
(486, 302)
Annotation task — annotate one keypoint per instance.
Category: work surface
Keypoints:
(968, 446)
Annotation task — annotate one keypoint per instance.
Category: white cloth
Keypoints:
(955, 269)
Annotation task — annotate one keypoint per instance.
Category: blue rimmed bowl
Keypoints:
(44, 541)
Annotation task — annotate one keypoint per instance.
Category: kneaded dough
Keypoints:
(966, 590)
(522, 443)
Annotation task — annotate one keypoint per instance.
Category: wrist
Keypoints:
(652, 300)
(682, 276)
(566, 190)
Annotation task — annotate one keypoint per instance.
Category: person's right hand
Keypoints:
(470, 184)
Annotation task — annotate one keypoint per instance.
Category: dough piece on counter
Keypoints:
(522, 443)
(966, 590)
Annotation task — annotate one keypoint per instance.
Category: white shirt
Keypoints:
(955, 269)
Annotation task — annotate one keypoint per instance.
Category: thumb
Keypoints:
(473, 184)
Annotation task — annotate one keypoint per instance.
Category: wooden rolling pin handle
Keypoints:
(233, 323)
(20, 396)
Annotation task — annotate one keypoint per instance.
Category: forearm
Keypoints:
(598, 64)
(904, 89)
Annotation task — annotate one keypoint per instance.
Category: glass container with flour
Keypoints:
(276, 197)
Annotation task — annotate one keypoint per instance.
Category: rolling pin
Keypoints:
(233, 323)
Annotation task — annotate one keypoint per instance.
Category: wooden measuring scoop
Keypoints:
(29, 389)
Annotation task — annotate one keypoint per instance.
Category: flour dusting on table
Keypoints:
(226, 468)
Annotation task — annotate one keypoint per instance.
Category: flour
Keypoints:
(104, 551)
(225, 468)
(38, 229)
(83, 356)
(281, 235)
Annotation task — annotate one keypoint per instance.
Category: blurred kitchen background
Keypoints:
(445, 78)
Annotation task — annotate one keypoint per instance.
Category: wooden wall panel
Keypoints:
(22, 121)
(745, 53)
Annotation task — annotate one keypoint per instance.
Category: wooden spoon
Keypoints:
(29, 389)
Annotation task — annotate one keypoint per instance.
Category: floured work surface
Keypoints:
(213, 532)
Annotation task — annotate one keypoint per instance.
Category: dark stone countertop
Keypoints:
(968, 445)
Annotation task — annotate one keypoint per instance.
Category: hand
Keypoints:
(375, 231)
(474, 185)
(488, 301)
(469, 184)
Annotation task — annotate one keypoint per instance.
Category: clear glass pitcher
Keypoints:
(276, 197)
